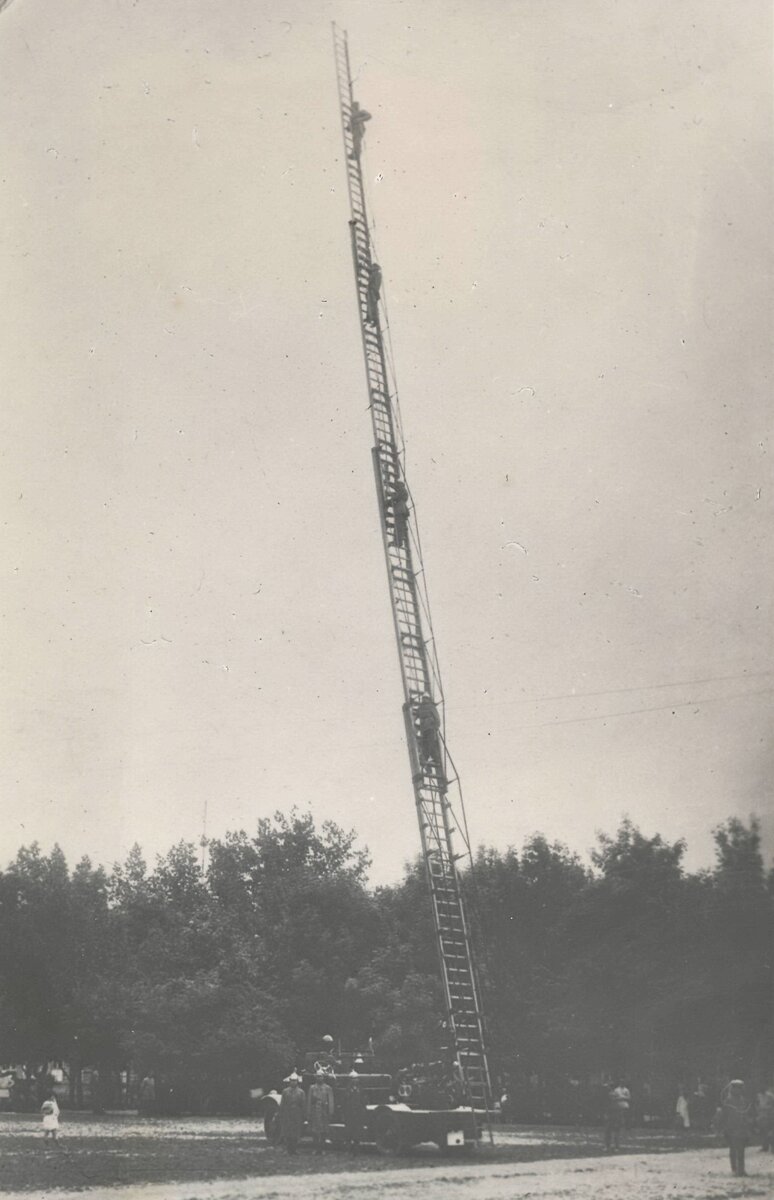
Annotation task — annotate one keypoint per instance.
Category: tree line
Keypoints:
(631, 965)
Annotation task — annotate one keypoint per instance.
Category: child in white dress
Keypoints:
(50, 1111)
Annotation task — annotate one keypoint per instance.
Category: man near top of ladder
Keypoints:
(357, 128)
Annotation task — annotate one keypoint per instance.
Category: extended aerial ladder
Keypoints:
(442, 822)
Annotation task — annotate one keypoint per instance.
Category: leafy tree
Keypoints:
(50, 950)
(634, 965)
(526, 901)
(198, 998)
(55, 950)
(398, 992)
(304, 890)
(619, 984)
(739, 947)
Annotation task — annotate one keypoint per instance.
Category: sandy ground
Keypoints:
(230, 1160)
(693, 1175)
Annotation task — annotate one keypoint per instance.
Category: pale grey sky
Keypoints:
(573, 215)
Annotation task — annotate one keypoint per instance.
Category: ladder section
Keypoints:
(440, 819)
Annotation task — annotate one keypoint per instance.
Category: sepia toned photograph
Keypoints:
(387, 680)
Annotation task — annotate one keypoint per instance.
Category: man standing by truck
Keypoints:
(319, 1110)
(291, 1113)
(354, 1113)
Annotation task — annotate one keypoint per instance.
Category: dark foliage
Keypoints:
(631, 965)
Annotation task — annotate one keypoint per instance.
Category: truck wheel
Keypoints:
(385, 1132)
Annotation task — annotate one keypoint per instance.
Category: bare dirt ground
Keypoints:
(123, 1158)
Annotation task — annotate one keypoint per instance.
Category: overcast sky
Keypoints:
(573, 215)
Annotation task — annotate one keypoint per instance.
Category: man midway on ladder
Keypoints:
(357, 128)
(372, 294)
(398, 501)
(428, 725)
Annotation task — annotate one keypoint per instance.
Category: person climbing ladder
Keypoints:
(357, 127)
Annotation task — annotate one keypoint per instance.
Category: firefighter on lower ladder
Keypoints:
(428, 724)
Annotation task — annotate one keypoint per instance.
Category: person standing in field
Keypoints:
(734, 1121)
(146, 1097)
(618, 1105)
(765, 1115)
(291, 1113)
(682, 1112)
(50, 1110)
(319, 1110)
(700, 1108)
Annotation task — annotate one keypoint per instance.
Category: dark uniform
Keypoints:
(357, 126)
(355, 1112)
(398, 501)
(735, 1121)
(374, 291)
(429, 725)
(319, 1110)
(291, 1115)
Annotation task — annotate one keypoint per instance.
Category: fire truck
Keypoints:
(417, 1104)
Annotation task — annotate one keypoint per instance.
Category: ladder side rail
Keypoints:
(416, 651)
(395, 611)
(473, 978)
(457, 923)
(344, 84)
(443, 834)
(421, 581)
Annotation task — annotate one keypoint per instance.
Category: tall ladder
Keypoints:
(442, 823)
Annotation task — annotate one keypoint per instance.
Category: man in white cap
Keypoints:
(291, 1113)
